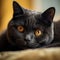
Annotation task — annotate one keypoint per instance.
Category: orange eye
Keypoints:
(38, 33)
(20, 28)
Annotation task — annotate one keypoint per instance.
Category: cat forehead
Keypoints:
(29, 17)
(32, 12)
(32, 15)
(28, 12)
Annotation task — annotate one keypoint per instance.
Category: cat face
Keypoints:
(29, 28)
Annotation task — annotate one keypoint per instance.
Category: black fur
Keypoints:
(12, 39)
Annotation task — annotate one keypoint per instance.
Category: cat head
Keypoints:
(30, 28)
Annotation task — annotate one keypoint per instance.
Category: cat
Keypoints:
(29, 29)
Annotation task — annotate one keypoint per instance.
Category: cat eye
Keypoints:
(20, 28)
(38, 32)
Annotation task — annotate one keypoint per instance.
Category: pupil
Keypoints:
(38, 31)
(20, 28)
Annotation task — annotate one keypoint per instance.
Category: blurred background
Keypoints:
(6, 9)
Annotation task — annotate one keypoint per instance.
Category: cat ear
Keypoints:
(48, 15)
(17, 8)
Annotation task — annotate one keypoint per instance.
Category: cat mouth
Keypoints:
(27, 44)
(32, 45)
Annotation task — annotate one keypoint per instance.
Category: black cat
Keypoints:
(29, 29)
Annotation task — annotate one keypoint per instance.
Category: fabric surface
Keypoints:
(32, 54)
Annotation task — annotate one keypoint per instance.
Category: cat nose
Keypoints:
(27, 40)
(29, 37)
